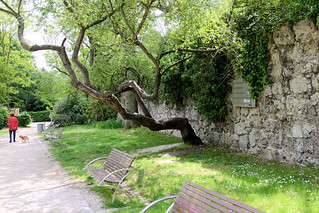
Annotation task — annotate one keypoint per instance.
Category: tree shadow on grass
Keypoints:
(262, 184)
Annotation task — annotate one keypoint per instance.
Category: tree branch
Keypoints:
(75, 59)
(126, 21)
(231, 11)
(75, 82)
(178, 62)
(64, 40)
(132, 84)
(148, 54)
(68, 7)
(200, 50)
(146, 11)
(61, 71)
(19, 6)
(101, 20)
(10, 10)
(138, 99)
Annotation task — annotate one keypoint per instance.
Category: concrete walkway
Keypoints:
(32, 181)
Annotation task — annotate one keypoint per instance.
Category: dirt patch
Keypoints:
(157, 148)
(161, 162)
(192, 150)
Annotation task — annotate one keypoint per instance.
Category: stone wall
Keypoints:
(284, 124)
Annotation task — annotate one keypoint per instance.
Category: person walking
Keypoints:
(13, 127)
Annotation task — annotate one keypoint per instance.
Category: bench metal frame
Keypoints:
(115, 169)
(56, 137)
(51, 130)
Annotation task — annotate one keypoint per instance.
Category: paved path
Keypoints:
(157, 148)
(31, 181)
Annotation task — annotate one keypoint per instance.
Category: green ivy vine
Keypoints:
(205, 78)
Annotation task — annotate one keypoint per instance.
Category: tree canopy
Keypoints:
(14, 61)
(108, 47)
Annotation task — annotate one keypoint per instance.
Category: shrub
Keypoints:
(203, 79)
(24, 119)
(109, 124)
(40, 116)
(97, 111)
(4, 114)
(70, 110)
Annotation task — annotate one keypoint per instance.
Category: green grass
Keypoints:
(4, 132)
(265, 185)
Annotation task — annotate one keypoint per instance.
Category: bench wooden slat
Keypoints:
(100, 174)
(116, 162)
(124, 156)
(209, 201)
(119, 160)
(111, 166)
(206, 199)
(179, 209)
(222, 197)
(197, 202)
(193, 198)
(186, 207)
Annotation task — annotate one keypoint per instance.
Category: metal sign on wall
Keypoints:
(241, 95)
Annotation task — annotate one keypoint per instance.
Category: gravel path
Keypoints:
(32, 181)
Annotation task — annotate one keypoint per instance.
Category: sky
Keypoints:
(37, 38)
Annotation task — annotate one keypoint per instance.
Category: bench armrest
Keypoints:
(119, 170)
(96, 159)
(158, 201)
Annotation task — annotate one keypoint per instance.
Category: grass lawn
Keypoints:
(265, 185)
(4, 132)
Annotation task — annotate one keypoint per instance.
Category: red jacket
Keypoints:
(13, 123)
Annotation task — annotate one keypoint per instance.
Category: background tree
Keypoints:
(45, 89)
(14, 63)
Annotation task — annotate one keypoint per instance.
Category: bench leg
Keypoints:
(118, 187)
(158, 201)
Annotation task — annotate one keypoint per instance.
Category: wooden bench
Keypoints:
(114, 170)
(51, 130)
(55, 138)
(193, 198)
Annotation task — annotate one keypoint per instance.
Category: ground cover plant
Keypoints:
(265, 185)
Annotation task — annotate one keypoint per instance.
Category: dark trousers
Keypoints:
(14, 135)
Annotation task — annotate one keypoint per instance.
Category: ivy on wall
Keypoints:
(205, 78)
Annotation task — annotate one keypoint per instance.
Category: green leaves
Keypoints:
(203, 79)
(255, 21)
(15, 63)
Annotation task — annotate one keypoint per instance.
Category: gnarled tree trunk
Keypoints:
(131, 104)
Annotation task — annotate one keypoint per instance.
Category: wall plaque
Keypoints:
(241, 95)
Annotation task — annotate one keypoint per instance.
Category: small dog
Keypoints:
(24, 139)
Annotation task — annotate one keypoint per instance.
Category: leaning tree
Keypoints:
(128, 19)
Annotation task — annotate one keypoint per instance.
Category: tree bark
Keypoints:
(131, 104)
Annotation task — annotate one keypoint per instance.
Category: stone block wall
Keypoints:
(284, 124)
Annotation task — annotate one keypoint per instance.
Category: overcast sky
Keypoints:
(36, 38)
